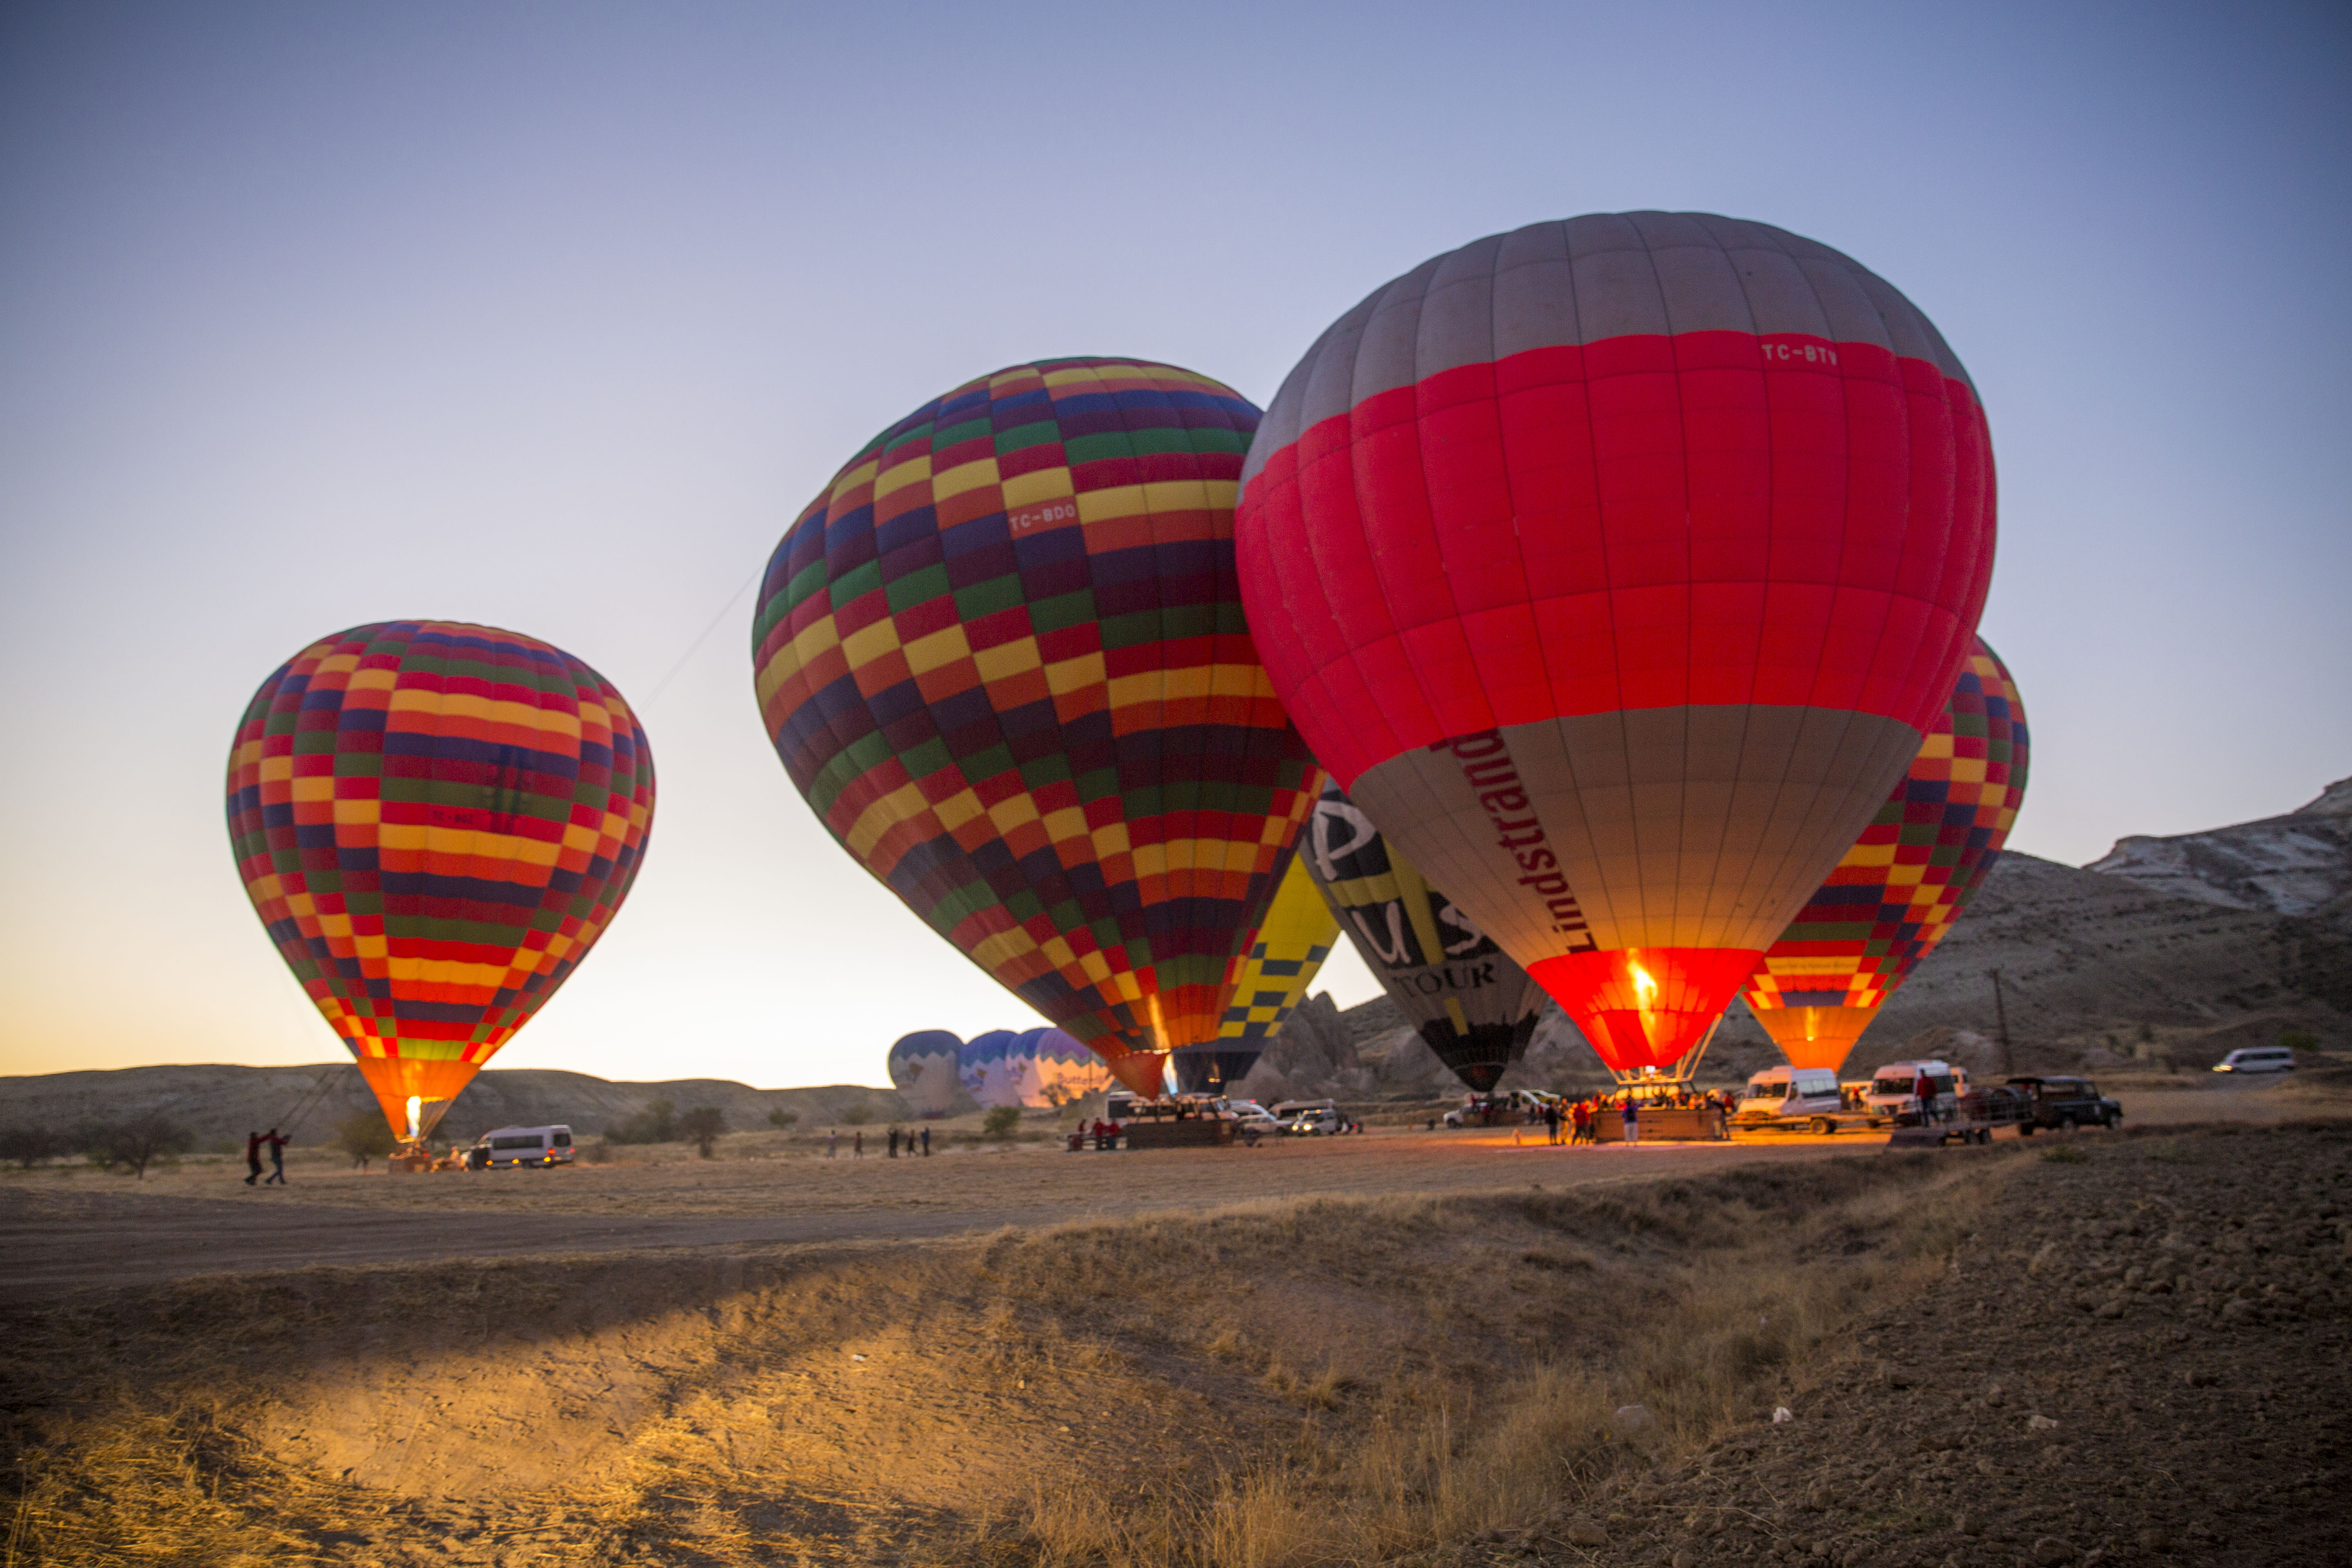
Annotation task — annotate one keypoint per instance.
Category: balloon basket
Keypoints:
(409, 1158)
(1678, 1075)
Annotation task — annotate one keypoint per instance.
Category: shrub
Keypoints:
(1002, 1121)
(136, 1143)
(782, 1118)
(858, 1115)
(656, 1123)
(2298, 1039)
(701, 1126)
(28, 1146)
(364, 1136)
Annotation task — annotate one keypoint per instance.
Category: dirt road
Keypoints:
(66, 1229)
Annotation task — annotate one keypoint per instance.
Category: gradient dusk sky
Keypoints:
(553, 316)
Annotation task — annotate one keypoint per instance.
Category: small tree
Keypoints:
(702, 1126)
(365, 1136)
(28, 1146)
(2298, 1039)
(782, 1118)
(656, 1123)
(1001, 1122)
(858, 1115)
(140, 1142)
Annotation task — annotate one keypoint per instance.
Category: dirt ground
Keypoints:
(1408, 1347)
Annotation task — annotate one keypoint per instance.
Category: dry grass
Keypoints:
(1287, 1384)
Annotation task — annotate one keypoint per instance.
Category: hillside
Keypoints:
(222, 1103)
(2299, 864)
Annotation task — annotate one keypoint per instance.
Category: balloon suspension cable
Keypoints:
(1678, 1075)
(309, 1100)
(700, 637)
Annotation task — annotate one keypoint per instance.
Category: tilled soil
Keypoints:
(2147, 1363)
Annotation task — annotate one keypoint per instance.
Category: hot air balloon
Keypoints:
(979, 1067)
(1271, 979)
(1047, 1067)
(1472, 1006)
(1897, 891)
(436, 822)
(1617, 568)
(924, 1068)
(1003, 656)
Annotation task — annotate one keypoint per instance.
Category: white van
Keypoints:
(2257, 1058)
(1895, 1091)
(1308, 1117)
(519, 1146)
(1781, 1094)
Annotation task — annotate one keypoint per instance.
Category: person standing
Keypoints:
(894, 1141)
(857, 1144)
(832, 1142)
(277, 1141)
(252, 1158)
(926, 1143)
(1632, 1119)
(1551, 1122)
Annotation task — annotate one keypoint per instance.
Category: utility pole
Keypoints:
(2001, 1010)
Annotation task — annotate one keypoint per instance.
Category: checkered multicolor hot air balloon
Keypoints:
(1002, 654)
(1616, 568)
(1897, 891)
(436, 822)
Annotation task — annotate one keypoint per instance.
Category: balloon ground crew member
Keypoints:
(252, 1158)
(277, 1141)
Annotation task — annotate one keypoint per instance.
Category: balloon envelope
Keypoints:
(1047, 1067)
(1474, 1006)
(1270, 980)
(1003, 656)
(924, 1068)
(435, 821)
(1897, 891)
(1617, 568)
(980, 1067)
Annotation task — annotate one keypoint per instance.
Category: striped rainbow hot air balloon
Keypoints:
(435, 821)
(1002, 655)
(1897, 891)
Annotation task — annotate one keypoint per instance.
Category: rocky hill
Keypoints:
(2299, 864)
(222, 1103)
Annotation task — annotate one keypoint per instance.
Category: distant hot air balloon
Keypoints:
(924, 1068)
(1897, 891)
(1472, 1006)
(979, 1067)
(1271, 979)
(1003, 656)
(435, 821)
(1047, 1067)
(1616, 568)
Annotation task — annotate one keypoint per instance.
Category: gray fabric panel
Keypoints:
(1673, 827)
(1617, 294)
(1457, 315)
(1281, 425)
(1328, 389)
(1781, 297)
(1905, 326)
(1853, 317)
(1384, 360)
(1535, 291)
(1670, 231)
(1701, 290)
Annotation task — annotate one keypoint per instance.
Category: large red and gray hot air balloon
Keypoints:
(1616, 568)
(1898, 889)
(435, 821)
(1002, 655)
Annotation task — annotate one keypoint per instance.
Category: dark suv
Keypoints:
(2065, 1103)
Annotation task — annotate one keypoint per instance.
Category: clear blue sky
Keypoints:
(552, 316)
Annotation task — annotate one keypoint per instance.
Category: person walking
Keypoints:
(1551, 1122)
(277, 1141)
(252, 1158)
(1632, 1119)
(832, 1142)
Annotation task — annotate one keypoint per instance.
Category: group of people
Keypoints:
(913, 1139)
(1578, 1121)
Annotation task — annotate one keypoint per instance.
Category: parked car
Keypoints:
(2066, 1103)
(1254, 1117)
(2257, 1058)
(1791, 1094)
(1502, 1110)
(519, 1146)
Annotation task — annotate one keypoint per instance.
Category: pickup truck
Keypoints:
(2065, 1103)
